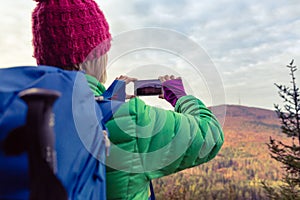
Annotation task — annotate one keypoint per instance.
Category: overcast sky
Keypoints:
(249, 42)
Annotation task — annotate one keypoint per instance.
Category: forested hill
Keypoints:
(248, 124)
(246, 112)
(241, 165)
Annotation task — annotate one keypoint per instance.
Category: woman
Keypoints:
(148, 142)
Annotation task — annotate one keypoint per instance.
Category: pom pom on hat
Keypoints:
(65, 32)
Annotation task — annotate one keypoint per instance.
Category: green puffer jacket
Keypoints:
(150, 142)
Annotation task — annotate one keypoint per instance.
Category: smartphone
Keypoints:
(147, 87)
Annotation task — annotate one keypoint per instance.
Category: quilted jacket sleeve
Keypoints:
(167, 141)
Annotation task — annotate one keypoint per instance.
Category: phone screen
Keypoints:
(147, 87)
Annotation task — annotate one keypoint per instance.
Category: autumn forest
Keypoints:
(241, 166)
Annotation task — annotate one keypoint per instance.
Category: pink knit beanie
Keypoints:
(65, 32)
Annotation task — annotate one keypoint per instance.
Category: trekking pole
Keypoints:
(37, 139)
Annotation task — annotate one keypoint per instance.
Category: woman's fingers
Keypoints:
(167, 77)
(164, 78)
(161, 96)
(127, 79)
(131, 79)
(161, 78)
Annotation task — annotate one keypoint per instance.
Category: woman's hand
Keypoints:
(127, 80)
(172, 88)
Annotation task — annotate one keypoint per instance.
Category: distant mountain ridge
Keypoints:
(250, 120)
(245, 111)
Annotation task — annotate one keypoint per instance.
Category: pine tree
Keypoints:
(287, 154)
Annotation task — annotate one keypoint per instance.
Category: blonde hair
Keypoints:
(96, 68)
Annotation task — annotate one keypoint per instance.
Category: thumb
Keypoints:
(129, 96)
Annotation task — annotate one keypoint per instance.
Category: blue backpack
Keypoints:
(79, 139)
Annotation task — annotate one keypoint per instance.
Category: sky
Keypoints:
(248, 42)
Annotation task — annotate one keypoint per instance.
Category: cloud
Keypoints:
(15, 34)
(250, 42)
